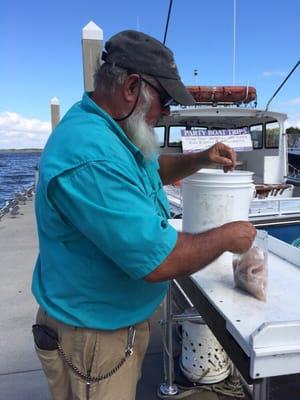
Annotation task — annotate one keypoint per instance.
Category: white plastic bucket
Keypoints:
(212, 198)
(203, 359)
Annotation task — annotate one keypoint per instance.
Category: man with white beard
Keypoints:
(107, 250)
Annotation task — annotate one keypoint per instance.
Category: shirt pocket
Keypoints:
(160, 201)
(155, 191)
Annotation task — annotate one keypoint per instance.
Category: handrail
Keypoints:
(295, 171)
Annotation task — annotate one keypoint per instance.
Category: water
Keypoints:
(17, 170)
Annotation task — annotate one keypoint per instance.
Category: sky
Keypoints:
(41, 53)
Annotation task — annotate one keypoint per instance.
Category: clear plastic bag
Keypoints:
(250, 270)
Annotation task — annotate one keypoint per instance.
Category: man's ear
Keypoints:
(131, 88)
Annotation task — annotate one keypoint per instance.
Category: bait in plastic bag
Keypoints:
(250, 269)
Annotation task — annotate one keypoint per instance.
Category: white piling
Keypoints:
(55, 112)
(92, 45)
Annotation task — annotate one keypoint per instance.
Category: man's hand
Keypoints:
(221, 154)
(173, 167)
(238, 236)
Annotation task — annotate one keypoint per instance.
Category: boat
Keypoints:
(294, 163)
(275, 207)
(276, 202)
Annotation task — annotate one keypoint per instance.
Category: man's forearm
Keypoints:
(191, 253)
(174, 167)
(194, 251)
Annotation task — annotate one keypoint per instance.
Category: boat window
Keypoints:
(256, 132)
(160, 134)
(272, 135)
(175, 134)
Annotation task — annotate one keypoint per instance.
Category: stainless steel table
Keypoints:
(262, 339)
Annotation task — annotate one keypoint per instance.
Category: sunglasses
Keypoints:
(165, 99)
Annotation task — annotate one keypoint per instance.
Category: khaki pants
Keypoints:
(97, 352)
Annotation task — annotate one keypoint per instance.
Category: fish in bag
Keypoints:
(250, 269)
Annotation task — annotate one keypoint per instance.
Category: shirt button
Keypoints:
(163, 224)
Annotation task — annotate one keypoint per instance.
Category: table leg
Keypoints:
(261, 390)
(168, 387)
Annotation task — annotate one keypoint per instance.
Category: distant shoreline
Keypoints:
(21, 150)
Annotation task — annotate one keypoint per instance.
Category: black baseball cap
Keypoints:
(138, 52)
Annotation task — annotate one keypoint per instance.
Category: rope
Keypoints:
(231, 387)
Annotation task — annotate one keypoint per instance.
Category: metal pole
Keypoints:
(234, 42)
(167, 23)
(196, 76)
(283, 152)
(55, 112)
(168, 387)
(260, 390)
(290, 73)
(92, 45)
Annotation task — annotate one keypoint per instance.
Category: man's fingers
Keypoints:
(224, 161)
(231, 154)
(223, 155)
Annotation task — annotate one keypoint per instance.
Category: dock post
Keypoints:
(55, 112)
(92, 45)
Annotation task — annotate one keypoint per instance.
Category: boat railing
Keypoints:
(293, 171)
(259, 207)
(294, 149)
(273, 206)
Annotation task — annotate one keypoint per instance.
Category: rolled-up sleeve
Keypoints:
(112, 210)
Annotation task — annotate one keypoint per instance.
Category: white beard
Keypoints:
(142, 134)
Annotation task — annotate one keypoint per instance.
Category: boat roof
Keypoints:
(224, 116)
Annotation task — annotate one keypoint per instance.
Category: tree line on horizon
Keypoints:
(293, 135)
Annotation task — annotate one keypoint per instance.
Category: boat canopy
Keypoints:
(220, 117)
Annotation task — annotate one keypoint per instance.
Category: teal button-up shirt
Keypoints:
(102, 218)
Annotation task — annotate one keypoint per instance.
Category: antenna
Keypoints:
(196, 76)
(293, 69)
(138, 23)
(234, 41)
(167, 23)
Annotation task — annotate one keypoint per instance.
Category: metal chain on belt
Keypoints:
(87, 377)
(96, 379)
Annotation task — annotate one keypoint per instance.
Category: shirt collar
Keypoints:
(89, 105)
